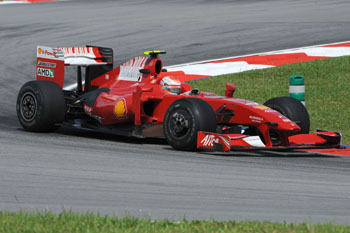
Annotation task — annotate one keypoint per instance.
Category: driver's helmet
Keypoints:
(171, 84)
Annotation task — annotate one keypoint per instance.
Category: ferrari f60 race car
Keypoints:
(140, 98)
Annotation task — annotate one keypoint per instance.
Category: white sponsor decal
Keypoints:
(46, 72)
(256, 119)
(50, 53)
(254, 141)
(252, 104)
(209, 140)
(130, 71)
(47, 64)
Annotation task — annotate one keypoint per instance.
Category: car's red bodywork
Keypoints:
(126, 96)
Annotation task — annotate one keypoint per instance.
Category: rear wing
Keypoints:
(51, 61)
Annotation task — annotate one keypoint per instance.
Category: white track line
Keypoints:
(24, 2)
(214, 69)
(291, 50)
(12, 2)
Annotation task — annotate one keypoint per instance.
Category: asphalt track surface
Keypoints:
(86, 171)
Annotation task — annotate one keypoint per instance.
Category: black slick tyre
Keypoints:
(293, 109)
(40, 106)
(184, 118)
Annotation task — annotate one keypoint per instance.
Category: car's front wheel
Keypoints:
(293, 109)
(184, 118)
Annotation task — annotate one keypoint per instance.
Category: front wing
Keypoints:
(228, 142)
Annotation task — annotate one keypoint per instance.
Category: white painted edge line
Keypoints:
(256, 54)
(72, 86)
(24, 2)
(220, 68)
(13, 2)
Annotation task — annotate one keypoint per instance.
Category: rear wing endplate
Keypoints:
(51, 61)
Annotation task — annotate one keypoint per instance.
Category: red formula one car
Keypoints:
(139, 98)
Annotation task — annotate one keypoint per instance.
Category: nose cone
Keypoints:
(280, 122)
(290, 126)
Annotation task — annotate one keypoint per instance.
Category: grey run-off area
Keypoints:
(112, 175)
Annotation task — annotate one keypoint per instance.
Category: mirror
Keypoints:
(230, 89)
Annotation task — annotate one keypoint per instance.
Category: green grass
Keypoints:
(327, 83)
(70, 222)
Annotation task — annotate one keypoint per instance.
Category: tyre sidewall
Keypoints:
(37, 120)
(190, 136)
(50, 107)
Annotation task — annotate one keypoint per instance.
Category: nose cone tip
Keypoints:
(290, 126)
(294, 126)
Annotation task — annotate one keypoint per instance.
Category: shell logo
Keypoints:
(262, 107)
(39, 50)
(120, 109)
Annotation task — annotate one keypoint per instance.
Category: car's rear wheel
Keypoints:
(184, 118)
(40, 106)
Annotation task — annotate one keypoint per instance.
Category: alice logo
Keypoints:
(209, 140)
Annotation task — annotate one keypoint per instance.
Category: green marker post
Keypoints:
(297, 87)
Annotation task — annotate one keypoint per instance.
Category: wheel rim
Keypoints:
(28, 106)
(179, 124)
